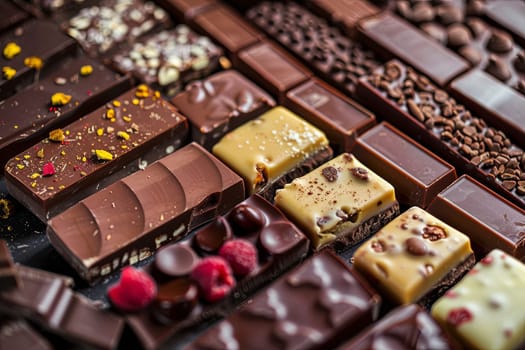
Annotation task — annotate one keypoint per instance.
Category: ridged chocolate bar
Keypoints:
(129, 220)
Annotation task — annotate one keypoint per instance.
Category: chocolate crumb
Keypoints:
(330, 173)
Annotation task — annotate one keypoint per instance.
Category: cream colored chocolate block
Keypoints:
(269, 146)
(486, 309)
(411, 254)
(335, 199)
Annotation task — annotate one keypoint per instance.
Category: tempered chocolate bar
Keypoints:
(18, 334)
(391, 37)
(410, 102)
(488, 219)
(416, 174)
(509, 14)
(8, 275)
(135, 129)
(169, 59)
(28, 51)
(339, 117)
(314, 306)
(332, 55)
(185, 10)
(74, 89)
(279, 245)
(220, 103)
(47, 301)
(129, 220)
(11, 15)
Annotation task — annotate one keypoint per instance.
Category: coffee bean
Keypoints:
(500, 42)
(458, 35)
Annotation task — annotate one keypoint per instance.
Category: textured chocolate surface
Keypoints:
(41, 116)
(129, 220)
(8, 275)
(279, 243)
(18, 334)
(417, 174)
(345, 13)
(311, 307)
(136, 128)
(220, 103)
(35, 38)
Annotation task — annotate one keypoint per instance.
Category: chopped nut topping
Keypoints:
(86, 70)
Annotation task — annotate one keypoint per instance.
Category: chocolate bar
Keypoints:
(123, 136)
(28, 51)
(272, 69)
(74, 89)
(314, 306)
(330, 54)
(391, 37)
(488, 219)
(339, 117)
(169, 59)
(509, 15)
(429, 115)
(279, 245)
(129, 220)
(8, 275)
(219, 104)
(12, 15)
(18, 334)
(416, 173)
(185, 10)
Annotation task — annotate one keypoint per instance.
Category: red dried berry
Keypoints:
(214, 277)
(241, 255)
(458, 316)
(487, 260)
(135, 290)
(48, 169)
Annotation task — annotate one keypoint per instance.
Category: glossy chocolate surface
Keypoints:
(339, 117)
(312, 307)
(129, 220)
(185, 10)
(488, 219)
(18, 334)
(509, 15)
(220, 103)
(417, 174)
(8, 274)
(345, 13)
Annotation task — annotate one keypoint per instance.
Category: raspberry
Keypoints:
(135, 290)
(214, 277)
(458, 316)
(241, 255)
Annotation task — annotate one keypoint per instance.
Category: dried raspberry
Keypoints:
(487, 260)
(241, 255)
(458, 316)
(214, 278)
(48, 169)
(135, 290)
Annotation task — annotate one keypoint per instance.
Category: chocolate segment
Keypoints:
(314, 307)
(185, 10)
(219, 104)
(129, 220)
(509, 15)
(8, 274)
(488, 219)
(416, 174)
(12, 15)
(18, 334)
(135, 129)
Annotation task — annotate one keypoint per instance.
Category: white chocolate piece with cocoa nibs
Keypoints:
(485, 309)
(411, 254)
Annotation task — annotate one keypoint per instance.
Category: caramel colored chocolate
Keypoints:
(391, 37)
(18, 334)
(314, 306)
(219, 104)
(345, 13)
(129, 220)
(488, 219)
(509, 14)
(8, 274)
(136, 128)
(416, 174)
(339, 117)
(78, 94)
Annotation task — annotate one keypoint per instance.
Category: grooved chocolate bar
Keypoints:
(129, 220)
(123, 136)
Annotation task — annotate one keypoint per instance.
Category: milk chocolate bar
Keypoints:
(279, 245)
(74, 89)
(18, 334)
(185, 10)
(314, 306)
(509, 15)
(129, 220)
(416, 173)
(126, 134)
(8, 275)
(219, 104)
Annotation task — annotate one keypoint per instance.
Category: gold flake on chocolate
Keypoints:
(411, 254)
(335, 199)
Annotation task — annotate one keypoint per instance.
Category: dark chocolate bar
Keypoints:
(184, 10)
(28, 51)
(391, 37)
(314, 306)
(135, 129)
(509, 14)
(129, 220)
(339, 117)
(75, 88)
(8, 274)
(11, 15)
(488, 219)
(333, 56)
(416, 173)
(279, 245)
(18, 334)
(220, 103)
